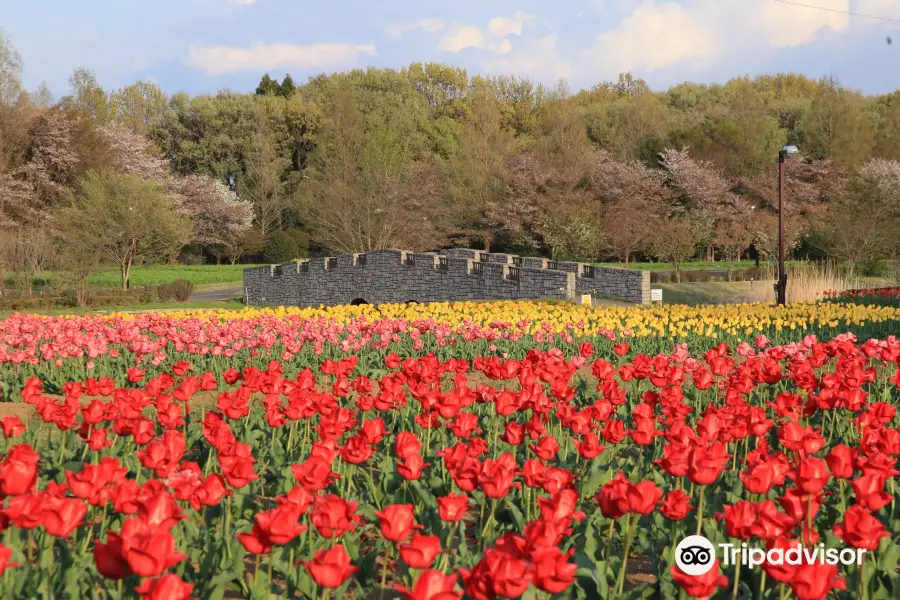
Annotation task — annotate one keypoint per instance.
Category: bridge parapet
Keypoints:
(456, 274)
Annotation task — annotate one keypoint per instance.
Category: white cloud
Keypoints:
(503, 26)
(425, 25)
(786, 25)
(539, 59)
(461, 37)
(242, 2)
(216, 60)
(654, 36)
(492, 38)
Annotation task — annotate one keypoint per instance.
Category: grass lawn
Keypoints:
(153, 275)
(710, 292)
(699, 265)
(161, 306)
(730, 292)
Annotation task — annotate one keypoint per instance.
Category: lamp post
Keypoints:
(781, 286)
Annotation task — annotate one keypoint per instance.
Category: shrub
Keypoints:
(281, 247)
(871, 268)
(165, 292)
(698, 276)
(181, 289)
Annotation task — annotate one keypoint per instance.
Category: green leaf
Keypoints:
(518, 519)
(594, 479)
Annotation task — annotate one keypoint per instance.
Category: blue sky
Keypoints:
(200, 46)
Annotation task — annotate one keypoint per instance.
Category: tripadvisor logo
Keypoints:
(695, 555)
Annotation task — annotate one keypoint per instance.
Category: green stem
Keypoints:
(700, 510)
(620, 585)
(737, 580)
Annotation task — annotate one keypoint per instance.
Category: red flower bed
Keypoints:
(572, 476)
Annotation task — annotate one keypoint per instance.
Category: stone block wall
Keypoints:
(457, 274)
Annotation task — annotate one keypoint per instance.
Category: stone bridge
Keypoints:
(456, 274)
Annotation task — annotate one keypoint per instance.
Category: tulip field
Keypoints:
(444, 451)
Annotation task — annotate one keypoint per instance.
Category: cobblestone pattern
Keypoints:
(457, 274)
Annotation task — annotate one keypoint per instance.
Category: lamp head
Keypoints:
(789, 151)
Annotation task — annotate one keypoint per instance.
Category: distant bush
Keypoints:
(284, 246)
(67, 298)
(281, 247)
(872, 268)
(177, 291)
(181, 289)
(695, 276)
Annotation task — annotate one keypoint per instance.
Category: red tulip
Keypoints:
(18, 471)
(860, 529)
(333, 516)
(181, 367)
(740, 519)
(589, 447)
(706, 464)
(699, 586)
(397, 521)
(407, 444)
(815, 581)
(168, 587)
(411, 466)
(109, 559)
(61, 516)
(811, 475)
(510, 575)
(452, 507)
(546, 448)
(643, 497)
(330, 568)
(315, 474)
(148, 551)
(421, 551)
(613, 497)
(432, 585)
(553, 573)
(869, 491)
(5, 554)
(272, 527)
(12, 427)
(676, 505)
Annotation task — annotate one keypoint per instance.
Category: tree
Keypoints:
(268, 87)
(42, 97)
(674, 242)
(10, 71)
(263, 185)
(218, 215)
(124, 219)
(702, 193)
(628, 224)
(734, 237)
(87, 96)
(364, 191)
(236, 247)
(838, 125)
(288, 88)
(138, 107)
(863, 224)
(476, 177)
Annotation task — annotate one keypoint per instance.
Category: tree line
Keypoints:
(427, 156)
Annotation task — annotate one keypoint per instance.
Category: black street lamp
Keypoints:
(781, 285)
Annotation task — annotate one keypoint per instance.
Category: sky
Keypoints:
(201, 46)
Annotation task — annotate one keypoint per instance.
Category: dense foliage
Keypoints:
(427, 156)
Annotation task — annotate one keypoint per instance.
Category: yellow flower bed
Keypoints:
(531, 316)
